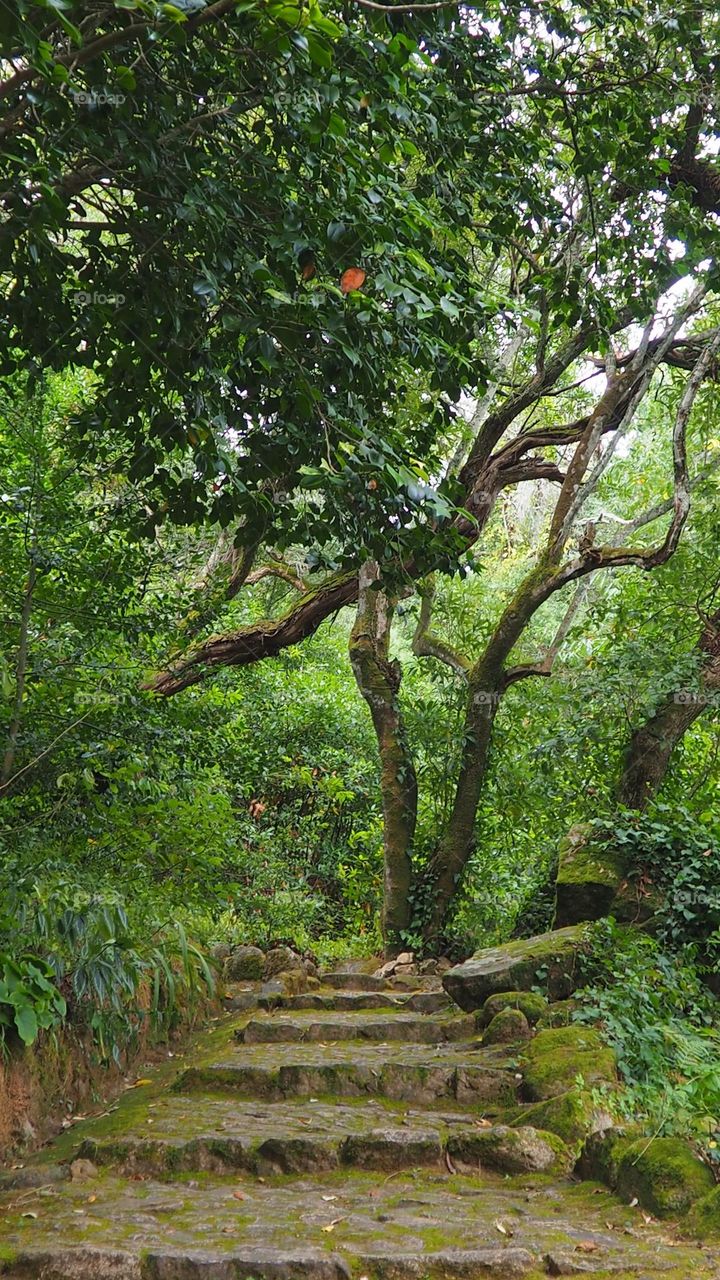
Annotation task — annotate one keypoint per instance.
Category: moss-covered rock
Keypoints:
(589, 874)
(664, 1174)
(558, 1014)
(572, 1116)
(528, 1002)
(245, 964)
(557, 1056)
(550, 960)
(703, 1220)
(507, 1027)
(601, 1154)
(511, 1150)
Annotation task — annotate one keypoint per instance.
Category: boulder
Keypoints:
(573, 1116)
(555, 1058)
(589, 874)
(532, 1005)
(507, 1027)
(703, 1220)
(601, 1155)
(549, 958)
(664, 1174)
(511, 1150)
(281, 960)
(244, 964)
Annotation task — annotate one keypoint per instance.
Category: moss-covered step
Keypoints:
(423, 1222)
(401, 1081)
(549, 960)
(557, 1057)
(395, 1028)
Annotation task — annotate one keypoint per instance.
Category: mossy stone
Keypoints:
(602, 1153)
(664, 1174)
(572, 1116)
(528, 1002)
(589, 874)
(245, 964)
(550, 959)
(507, 1027)
(703, 1220)
(558, 1014)
(557, 1056)
(523, 1149)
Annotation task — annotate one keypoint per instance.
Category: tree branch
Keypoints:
(427, 645)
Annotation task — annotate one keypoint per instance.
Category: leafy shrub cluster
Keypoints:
(677, 853)
(663, 1024)
(89, 963)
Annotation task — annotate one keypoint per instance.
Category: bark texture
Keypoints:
(378, 680)
(652, 744)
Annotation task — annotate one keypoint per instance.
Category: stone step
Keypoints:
(395, 1028)
(423, 1223)
(178, 1134)
(405, 1073)
(353, 1001)
(341, 981)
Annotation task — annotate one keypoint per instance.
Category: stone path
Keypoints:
(340, 1134)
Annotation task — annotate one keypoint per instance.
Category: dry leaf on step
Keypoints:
(503, 1229)
(587, 1246)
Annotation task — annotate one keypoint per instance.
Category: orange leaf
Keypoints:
(351, 279)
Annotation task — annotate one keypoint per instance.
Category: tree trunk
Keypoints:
(651, 746)
(487, 682)
(378, 680)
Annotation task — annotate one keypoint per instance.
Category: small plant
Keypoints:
(30, 1001)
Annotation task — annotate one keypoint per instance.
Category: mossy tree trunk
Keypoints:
(488, 679)
(652, 744)
(378, 679)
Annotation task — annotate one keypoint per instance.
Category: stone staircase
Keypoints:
(352, 1132)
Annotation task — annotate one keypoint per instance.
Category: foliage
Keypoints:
(662, 1023)
(29, 998)
(676, 852)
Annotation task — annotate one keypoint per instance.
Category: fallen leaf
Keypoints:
(28, 1214)
(239, 1195)
(587, 1246)
(504, 1231)
(634, 1202)
(351, 279)
(449, 1164)
(332, 1225)
(327, 1199)
(138, 1083)
(91, 1199)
